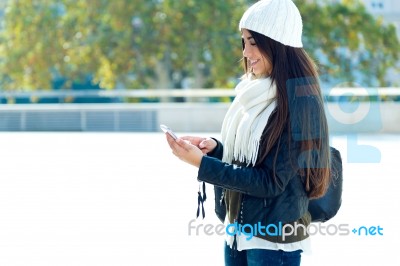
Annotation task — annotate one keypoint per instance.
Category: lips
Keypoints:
(254, 62)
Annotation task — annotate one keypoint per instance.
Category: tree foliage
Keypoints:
(142, 43)
(348, 42)
(173, 43)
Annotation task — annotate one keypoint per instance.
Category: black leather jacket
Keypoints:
(263, 199)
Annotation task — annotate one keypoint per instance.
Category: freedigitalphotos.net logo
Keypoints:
(281, 230)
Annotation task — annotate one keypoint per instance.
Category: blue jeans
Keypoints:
(262, 257)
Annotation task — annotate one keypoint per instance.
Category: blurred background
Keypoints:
(87, 177)
(80, 65)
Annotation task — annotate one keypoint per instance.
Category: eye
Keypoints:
(252, 43)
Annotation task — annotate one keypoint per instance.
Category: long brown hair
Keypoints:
(299, 110)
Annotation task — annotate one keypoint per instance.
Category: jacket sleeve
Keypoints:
(256, 181)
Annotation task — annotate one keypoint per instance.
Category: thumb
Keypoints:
(205, 143)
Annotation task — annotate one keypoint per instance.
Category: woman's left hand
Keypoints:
(185, 151)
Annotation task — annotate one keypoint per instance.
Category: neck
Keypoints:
(259, 76)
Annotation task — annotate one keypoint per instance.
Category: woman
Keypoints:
(274, 154)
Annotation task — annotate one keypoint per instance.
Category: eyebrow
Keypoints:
(248, 38)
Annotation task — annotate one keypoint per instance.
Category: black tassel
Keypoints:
(198, 204)
(201, 200)
(204, 192)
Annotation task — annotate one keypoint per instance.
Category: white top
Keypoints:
(243, 243)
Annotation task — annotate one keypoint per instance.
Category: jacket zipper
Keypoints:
(239, 216)
(221, 200)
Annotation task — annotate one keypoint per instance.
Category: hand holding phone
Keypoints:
(169, 131)
(183, 148)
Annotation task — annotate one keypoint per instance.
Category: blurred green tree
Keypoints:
(350, 44)
(173, 43)
(138, 44)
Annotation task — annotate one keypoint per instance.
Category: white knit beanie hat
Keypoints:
(278, 19)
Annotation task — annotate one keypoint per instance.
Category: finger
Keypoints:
(193, 140)
(172, 142)
(185, 144)
(176, 149)
(190, 138)
(203, 147)
(203, 143)
(170, 139)
(178, 144)
(207, 143)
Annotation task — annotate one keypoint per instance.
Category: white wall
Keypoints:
(375, 117)
(380, 117)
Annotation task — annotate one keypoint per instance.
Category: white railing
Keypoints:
(194, 114)
(188, 93)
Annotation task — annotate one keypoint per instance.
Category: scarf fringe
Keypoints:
(246, 119)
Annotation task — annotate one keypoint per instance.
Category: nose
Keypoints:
(247, 51)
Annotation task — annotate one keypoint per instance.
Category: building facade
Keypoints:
(389, 10)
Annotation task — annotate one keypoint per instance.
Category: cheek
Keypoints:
(268, 65)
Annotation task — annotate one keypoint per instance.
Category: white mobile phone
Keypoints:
(168, 130)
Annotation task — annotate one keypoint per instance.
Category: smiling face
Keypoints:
(256, 61)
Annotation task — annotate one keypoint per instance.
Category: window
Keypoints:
(377, 4)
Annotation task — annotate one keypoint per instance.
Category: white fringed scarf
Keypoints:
(246, 119)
